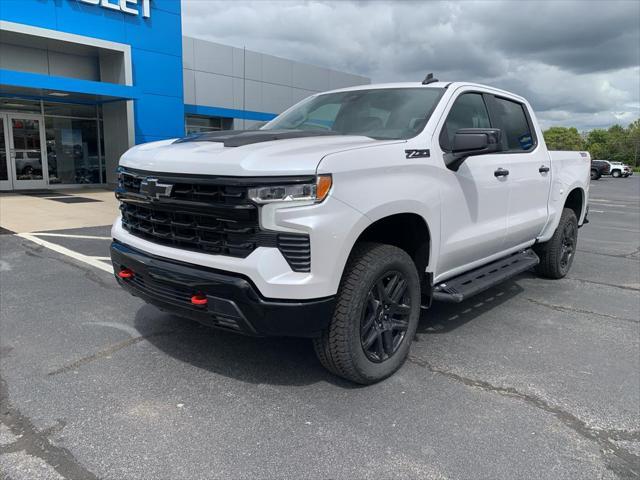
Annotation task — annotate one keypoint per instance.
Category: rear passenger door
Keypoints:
(474, 199)
(529, 168)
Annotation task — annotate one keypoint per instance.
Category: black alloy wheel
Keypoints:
(569, 237)
(385, 318)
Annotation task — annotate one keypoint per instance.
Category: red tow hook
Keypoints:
(125, 273)
(199, 300)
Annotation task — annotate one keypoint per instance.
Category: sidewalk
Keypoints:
(57, 209)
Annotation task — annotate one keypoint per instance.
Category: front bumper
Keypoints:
(233, 302)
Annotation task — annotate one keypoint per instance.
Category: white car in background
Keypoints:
(619, 170)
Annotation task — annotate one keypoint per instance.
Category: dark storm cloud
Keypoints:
(576, 62)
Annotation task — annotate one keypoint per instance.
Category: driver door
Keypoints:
(474, 200)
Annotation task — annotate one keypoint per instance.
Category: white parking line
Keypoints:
(67, 235)
(69, 253)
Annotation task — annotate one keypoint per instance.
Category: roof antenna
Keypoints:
(429, 79)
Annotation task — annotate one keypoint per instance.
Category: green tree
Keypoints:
(563, 138)
(597, 143)
(634, 142)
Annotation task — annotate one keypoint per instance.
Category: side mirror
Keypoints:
(468, 142)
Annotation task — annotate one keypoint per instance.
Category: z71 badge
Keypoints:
(417, 153)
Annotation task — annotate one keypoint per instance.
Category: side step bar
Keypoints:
(459, 288)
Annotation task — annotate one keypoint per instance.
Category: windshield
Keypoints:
(390, 113)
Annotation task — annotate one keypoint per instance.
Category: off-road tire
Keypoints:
(553, 263)
(340, 348)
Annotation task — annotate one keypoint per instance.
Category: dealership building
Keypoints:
(83, 80)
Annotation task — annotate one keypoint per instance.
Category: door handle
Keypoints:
(543, 169)
(501, 172)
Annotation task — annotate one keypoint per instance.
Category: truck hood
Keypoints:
(289, 156)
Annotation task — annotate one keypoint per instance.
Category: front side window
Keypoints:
(387, 113)
(468, 111)
(510, 117)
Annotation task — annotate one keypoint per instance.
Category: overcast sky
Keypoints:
(578, 63)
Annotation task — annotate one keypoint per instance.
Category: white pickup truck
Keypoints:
(342, 217)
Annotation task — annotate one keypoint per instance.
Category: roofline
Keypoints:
(448, 85)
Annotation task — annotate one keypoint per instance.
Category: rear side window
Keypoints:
(511, 118)
(468, 111)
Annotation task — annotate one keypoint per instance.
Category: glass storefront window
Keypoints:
(69, 109)
(197, 124)
(72, 150)
(19, 105)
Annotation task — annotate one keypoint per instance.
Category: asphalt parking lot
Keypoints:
(534, 379)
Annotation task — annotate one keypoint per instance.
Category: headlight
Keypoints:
(315, 192)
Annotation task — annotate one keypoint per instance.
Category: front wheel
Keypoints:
(376, 315)
(556, 255)
(595, 175)
(616, 174)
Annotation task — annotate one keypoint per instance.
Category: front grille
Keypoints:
(211, 215)
(233, 233)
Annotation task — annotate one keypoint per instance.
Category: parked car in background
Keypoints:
(599, 168)
(619, 170)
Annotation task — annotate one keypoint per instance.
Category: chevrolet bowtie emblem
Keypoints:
(150, 188)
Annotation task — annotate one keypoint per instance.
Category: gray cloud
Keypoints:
(578, 63)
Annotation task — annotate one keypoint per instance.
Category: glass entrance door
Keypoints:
(5, 171)
(24, 162)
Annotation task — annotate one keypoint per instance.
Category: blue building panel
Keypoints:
(39, 13)
(89, 20)
(156, 55)
(157, 73)
(157, 33)
(155, 117)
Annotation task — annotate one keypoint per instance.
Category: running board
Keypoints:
(459, 288)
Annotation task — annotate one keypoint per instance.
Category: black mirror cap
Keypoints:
(468, 142)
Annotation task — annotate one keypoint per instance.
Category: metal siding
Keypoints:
(253, 96)
(213, 57)
(24, 59)
(310, 77)
(238, 62)
(74, 66)
(214, 90)
(253, 66)
(277, 70)
(275, 98)
(187, 53)
(189, 84)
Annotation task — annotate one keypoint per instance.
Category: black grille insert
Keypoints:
(203, 214)
(296, 249)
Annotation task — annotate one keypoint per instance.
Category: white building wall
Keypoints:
(218, 75)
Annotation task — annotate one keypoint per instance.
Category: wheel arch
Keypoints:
(576, 201)
(408, 231)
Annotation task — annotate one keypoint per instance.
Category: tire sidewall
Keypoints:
(368, 369)
(568, 217)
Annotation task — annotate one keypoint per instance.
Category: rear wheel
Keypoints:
(595, 175)
(556, 255)
(376, 315)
